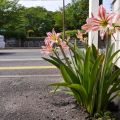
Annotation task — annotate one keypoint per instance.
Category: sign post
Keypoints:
(63, 19)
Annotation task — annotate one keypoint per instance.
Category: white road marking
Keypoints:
(19, 50)
(27, 76)
(7, 60)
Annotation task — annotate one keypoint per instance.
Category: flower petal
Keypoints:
(102, 12)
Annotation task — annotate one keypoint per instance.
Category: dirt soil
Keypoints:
(31, 99)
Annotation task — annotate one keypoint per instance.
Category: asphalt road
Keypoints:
(24, 62)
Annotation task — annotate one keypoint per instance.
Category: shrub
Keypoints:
(71, 33)
(15, 34)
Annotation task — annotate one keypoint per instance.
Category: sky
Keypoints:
(107, 4)
(53, 5)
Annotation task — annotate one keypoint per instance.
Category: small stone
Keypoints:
(72, 116)
(57, 117)
(66, 111)
(51, 110)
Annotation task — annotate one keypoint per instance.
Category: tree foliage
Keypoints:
(16, 18)
(76, 14)
(39, 20)
(10, 14)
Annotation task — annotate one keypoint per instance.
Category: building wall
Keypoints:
(116, 8)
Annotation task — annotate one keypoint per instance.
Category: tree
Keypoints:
(58, 20)
(39, 20)
(76, 13)
(11, 19)
(15, 18)
(10, 14)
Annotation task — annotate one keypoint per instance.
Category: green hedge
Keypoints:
(15, 34)
(71, 33)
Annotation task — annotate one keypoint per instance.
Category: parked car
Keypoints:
(2, 42)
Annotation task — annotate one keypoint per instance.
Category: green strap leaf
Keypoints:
(86, 76)
(52, 62)
(65, 74)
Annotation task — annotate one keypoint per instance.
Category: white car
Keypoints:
(2, 42)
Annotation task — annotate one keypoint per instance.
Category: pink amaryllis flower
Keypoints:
(103, 21)
(53, 36)
(64, 45)
(89, 24)
(79, 35)
(48, 48)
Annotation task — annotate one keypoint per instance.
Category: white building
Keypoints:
(116, 8)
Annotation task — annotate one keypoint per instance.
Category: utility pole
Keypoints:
(100, 2)
(101, 43)
(63, 19)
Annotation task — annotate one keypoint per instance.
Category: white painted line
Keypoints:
(7, 60)
(27, 76)
(19, 50)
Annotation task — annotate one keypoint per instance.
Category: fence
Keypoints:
(32, 42)
(27, 42)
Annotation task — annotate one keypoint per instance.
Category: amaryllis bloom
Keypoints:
(48, 48)
(63, 45)
(79, 35)
(101, 23)
(103, 20)
(47, 41)
(89, 24)
(53, 36)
